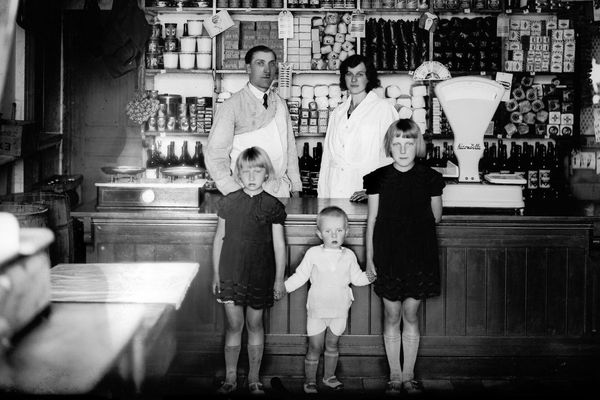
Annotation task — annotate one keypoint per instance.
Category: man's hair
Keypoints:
(331, 211)
(405, 128)
(250, 53)
(354, 61)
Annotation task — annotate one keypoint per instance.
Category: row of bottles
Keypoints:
(539, 164)
(437, 157)
(309, 169)
(155, 159)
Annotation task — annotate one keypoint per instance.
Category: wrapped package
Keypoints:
(308, 92)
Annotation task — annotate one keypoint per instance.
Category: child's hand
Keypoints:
(279, 290)
(370, 270)
(371, 276)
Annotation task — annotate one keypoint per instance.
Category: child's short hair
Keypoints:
(406, 128)
(254, 157)
(331, 211)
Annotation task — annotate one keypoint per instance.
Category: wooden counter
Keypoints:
(519, 294)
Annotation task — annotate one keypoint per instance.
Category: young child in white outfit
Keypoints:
(331, 268)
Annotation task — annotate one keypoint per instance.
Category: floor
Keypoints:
(373, 388)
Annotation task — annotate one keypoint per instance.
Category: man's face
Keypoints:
(262, 69)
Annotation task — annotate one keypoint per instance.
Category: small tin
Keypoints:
(247, 3)
(235, 3)
(171, 123)
(156, 31)
(153, 45)
(170, 30)
(222, 3)
(162, 110)
(152, 60)
(171, 44)
(182, 109)
(161, 123)
(184, 123)
(276, 3)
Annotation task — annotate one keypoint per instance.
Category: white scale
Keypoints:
(469, 103)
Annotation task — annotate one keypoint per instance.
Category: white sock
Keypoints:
(410, 347)
(392, 351)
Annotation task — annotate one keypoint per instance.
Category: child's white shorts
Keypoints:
(315, 326)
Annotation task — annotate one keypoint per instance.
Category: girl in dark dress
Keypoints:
(248, 263)
(405, 203)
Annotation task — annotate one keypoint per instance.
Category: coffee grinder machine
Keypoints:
(469, 104)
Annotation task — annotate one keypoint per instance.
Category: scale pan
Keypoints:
(122, 170)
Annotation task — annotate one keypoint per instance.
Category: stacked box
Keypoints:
(294, 109)
(245, 35)
(329, 40)
(540, 45)
(299, 47)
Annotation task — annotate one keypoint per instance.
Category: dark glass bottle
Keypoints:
(316, 168)
(532, 174)
(185, 29)
(171, 159)
(544, 174)
(306, 166)
(198, 158)
(503, 166)
(519, 165)
(185, 159)
(493, 166)
(484, 160)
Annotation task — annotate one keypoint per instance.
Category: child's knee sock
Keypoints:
(330, 363)
(410, 347)
(392, 350)
(232, 354)
(310, 370)
(255, 352)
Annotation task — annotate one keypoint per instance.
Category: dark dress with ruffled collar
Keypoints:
(247, 263)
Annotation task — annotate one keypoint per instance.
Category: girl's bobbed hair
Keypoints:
(254, 157)
(405, 128)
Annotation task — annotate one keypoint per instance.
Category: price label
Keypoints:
(357, 24)
(285, 22)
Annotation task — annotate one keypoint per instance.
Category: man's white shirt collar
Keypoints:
(256, 91)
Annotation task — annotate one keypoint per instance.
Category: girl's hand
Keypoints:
(279, 290)
(216, 287)
(370, 270)
(361, 195)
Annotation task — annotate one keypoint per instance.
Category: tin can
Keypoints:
(170, 30)
(171, 44)
(182, 110)
(161, 123)
(152, 124)
(152, 60)
(162, 110)
(184, 123)
(171, 123)
(235, 3)
(156, 31)
(262, 3)
(153, 45)
(247, 3)
(192, 109)
(222, 3)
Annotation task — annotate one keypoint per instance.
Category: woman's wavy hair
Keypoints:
(354, 61)
(405, 128)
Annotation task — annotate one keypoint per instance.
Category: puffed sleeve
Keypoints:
(371, 183)
(224, 206)
(436, 184)
(271, 211)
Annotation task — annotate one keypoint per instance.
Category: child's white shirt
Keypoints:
(330, 271)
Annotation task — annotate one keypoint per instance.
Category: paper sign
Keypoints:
(505, 79)
(357, 25)
(286, 25)
(218, 23)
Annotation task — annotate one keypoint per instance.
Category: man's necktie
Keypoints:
(265, 101)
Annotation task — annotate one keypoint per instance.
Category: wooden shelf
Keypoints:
(178, 71)
(174, 133)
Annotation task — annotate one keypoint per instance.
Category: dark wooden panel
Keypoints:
(557, 292)
(577, 287)
(516, 289)
(359, 321)
(476, 298)
(495, 291)
(536, 291)
(434, 307)
(297, 306)
(456, 291)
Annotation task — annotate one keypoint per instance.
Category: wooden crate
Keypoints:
(16, 137)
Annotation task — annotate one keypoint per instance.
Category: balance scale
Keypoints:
(469, 104)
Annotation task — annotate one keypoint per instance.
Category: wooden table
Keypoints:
(103, 318)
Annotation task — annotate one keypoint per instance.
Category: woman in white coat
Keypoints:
(353, 145)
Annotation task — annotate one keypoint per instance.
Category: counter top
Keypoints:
(305, 209)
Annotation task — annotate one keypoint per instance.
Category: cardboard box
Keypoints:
(16, 137)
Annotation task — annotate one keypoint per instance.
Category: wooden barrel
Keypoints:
(59, 219)
(28, 215)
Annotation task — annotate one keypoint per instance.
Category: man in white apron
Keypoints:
(254, 116)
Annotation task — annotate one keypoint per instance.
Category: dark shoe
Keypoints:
(393, 389)
(227, 388)
(256, 389)
(412, 387)
(333, 383)
(310, 388)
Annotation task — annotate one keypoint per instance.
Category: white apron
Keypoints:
(269, 140)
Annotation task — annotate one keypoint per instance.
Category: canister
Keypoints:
(186, 60)
(171, 44)
(152, 60)
(170, 30)
(170, 59)
(153, 45)
(188, 44)
(156, 31)
(194, 27)
(222, 3)
(203, 60)
(247, 3)
(203, 44)
(235, 3)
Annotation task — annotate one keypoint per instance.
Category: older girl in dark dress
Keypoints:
(404, 205)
